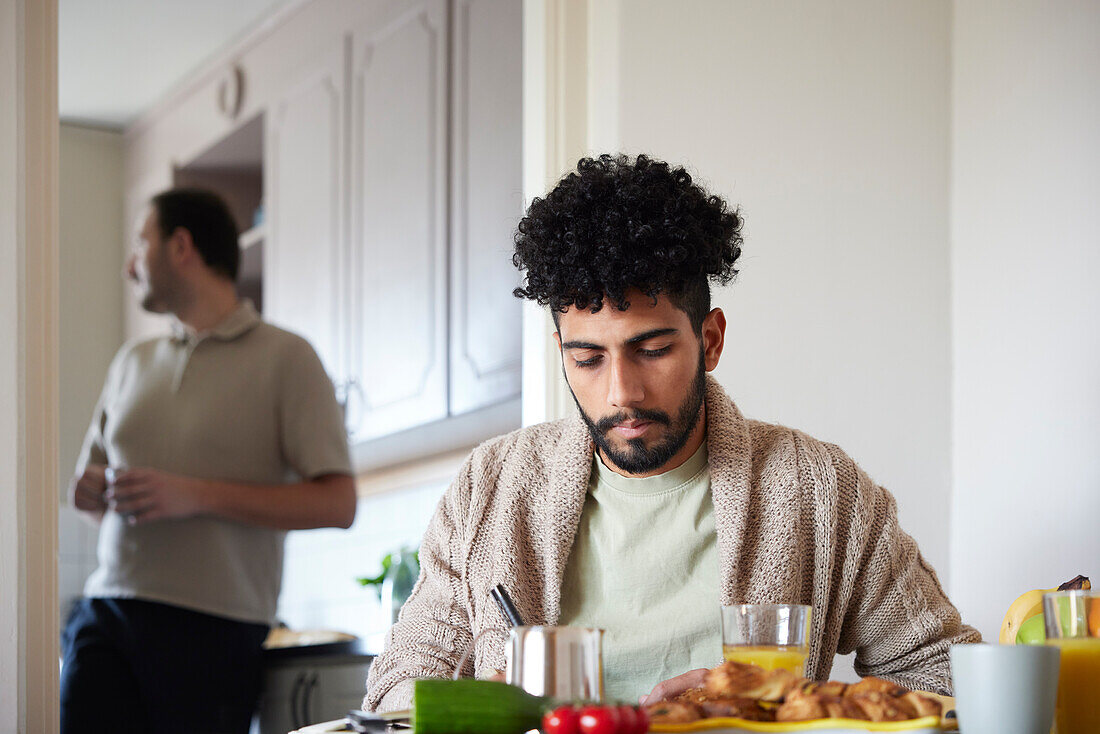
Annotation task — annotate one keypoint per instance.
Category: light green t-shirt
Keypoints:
(644, 567)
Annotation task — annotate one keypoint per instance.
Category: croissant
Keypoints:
(740, 680)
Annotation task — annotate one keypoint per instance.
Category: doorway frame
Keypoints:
(29, 674)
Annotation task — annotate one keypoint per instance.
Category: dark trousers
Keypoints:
(139, 666)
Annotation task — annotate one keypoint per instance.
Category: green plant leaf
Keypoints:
(377, 581)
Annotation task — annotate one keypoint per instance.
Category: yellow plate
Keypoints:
(929, 724)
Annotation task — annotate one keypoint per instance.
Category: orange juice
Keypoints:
(1078, 710)
(768, 657)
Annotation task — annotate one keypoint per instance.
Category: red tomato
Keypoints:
(562, 720)
(628, 720)
(642, 721)
(599, 720)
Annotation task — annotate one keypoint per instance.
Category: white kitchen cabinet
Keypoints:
(305, 245)
(391, 186)
(399, 185)
(486, 202)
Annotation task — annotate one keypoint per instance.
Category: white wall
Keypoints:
(91, 245)
(319, 587)
(828, 123)
(1025, 258)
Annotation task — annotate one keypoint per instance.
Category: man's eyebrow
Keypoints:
(653, 333)
(650, 335)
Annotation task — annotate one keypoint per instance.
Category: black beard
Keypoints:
(638, 459)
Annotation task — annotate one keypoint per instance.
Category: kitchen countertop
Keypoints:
(329, 652)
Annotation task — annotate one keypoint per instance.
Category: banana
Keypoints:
(1029, 604)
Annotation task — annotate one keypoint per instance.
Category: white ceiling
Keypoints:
(118, 57)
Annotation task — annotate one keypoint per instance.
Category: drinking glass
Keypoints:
(768, 635)
(1072, 620)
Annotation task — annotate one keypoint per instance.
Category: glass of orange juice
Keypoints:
(1072, 620)
(769, 635)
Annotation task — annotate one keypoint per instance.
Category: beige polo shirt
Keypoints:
(244, 402)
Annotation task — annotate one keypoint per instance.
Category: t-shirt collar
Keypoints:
(664, 482)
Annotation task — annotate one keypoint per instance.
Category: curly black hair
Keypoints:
(619, 223)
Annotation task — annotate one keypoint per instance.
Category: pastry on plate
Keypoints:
(673, 712)
(740, 680)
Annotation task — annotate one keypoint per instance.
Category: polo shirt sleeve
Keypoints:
(311, 425)
(94, 448)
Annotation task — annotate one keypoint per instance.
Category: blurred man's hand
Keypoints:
(86, 492)
(142, 495)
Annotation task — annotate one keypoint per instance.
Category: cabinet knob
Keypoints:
(231, 92)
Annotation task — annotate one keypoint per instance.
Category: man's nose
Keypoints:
(626, 388)
(130, 268)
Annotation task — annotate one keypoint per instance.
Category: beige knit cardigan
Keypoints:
(797, 522)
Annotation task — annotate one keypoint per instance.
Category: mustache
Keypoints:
(605, 424)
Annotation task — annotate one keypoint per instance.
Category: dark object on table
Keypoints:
(501, 595)
(371, 723)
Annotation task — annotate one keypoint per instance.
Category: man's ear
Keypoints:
(714, 338)
(182, 247)
(557, 339)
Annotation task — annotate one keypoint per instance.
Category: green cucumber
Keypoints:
(468, 706)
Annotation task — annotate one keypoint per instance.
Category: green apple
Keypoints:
(1032, 631)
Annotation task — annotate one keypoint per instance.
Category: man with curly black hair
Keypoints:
(660, 501)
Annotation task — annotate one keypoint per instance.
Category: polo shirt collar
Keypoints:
(238, 322)
(243, 318)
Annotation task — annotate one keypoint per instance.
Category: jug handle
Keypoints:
(470, 649)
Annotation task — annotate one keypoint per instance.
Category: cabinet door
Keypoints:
(304, 256)
(336, 689)
(486, 203)
(399, 219)
(280, 705)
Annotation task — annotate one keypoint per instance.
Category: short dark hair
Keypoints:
(206, 216)
(619, 223)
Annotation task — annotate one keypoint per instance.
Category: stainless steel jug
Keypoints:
(565, 663)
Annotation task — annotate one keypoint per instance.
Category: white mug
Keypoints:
(1005, 689)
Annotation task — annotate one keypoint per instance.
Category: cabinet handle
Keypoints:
(298, 681)
(362, 403)
(307, 695)
(352, 401)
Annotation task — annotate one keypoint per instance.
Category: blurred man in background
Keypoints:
(206, 446)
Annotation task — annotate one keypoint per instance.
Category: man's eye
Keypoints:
(654, 352)
(590, 362)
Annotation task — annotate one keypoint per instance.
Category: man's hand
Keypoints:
(143, 495)
(673, 687)
(86, 491)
